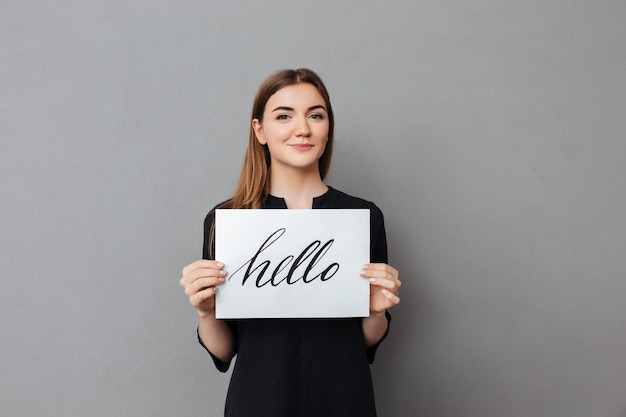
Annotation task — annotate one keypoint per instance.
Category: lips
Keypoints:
(301, 146)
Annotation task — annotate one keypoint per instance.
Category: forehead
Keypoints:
(297, 95)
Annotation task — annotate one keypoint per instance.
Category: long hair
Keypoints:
(254, 182)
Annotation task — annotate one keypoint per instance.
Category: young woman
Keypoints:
(312, 367)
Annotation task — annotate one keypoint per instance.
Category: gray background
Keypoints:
(491, 133)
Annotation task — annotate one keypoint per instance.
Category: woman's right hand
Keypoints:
(200, 280)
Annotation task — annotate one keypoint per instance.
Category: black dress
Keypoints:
(303, 367)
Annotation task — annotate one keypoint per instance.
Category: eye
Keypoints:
(282, 117)
(317, 116)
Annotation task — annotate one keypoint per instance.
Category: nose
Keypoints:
(302, 128)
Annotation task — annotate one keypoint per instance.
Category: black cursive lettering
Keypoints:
(322, 275)
(265, 264)
(313, 253)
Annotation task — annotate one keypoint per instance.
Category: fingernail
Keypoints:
(220, 265)
(223, 273)
(372, 279)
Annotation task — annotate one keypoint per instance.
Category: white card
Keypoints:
(292, 263)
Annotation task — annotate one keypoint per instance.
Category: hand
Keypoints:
(384, 285)
(200, 280)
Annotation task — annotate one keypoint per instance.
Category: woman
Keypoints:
(293, 367)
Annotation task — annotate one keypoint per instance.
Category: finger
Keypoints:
(380, 269)
(393, 298)
(380, 275)
(367, 273)
(206, 273)
(200, 297)
(202, 263)
(201, 284)
(381, 281)
(384, 285)
(195, 274)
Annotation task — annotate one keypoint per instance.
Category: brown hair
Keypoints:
(254, 182)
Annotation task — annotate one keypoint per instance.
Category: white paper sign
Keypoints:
(292, 263)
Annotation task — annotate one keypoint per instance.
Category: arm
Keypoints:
(374, 327)
(384, 285)
(200, 280)
(216, 336)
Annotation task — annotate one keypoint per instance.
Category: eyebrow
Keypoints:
(285, 108)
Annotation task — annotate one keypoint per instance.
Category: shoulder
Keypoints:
(210, 217)
(342, 200)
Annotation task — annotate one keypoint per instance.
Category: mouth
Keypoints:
(301, 146)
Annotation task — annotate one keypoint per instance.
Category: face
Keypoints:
(294, 127)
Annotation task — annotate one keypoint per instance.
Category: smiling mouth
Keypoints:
(301, 146)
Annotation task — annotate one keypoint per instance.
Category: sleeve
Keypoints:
(378, 254)
(208, 252)
(378, 237)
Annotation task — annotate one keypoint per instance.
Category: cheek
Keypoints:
(278, 132)
(320, 129)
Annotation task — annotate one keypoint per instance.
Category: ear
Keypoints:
(258, 131)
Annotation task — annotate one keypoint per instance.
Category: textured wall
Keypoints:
(490, 133)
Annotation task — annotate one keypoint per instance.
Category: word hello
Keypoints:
(299, 269)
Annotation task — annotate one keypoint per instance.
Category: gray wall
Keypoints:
(490, 133)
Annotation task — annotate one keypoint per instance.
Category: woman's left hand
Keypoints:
(384, 285)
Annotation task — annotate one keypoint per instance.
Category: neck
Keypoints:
(296, 187)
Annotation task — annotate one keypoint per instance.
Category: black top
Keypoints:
(303, 367)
